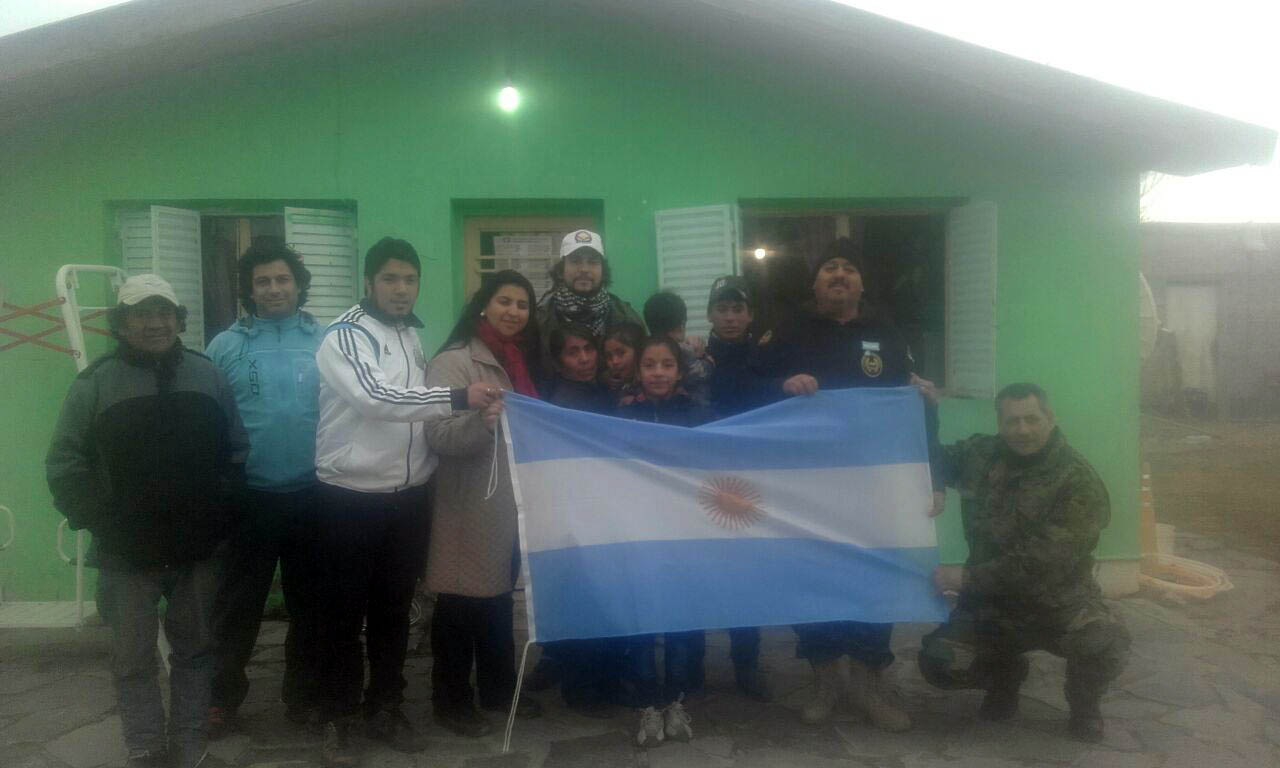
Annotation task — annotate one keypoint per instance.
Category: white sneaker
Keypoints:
(677, 722)
(650, 732)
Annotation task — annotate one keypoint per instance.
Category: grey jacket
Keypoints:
(473, 547)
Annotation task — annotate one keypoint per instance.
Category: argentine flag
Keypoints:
(812, 509)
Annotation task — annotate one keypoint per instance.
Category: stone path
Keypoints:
(1202, 690)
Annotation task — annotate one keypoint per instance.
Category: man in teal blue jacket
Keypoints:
(269, 358)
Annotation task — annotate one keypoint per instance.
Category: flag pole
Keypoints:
(515, 698)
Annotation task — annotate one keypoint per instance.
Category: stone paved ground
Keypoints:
(1202, 691)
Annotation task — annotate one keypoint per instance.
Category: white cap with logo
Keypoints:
(142, 287)
(582, 238)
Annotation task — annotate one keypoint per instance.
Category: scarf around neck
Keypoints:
(591, 311)
(509, 352)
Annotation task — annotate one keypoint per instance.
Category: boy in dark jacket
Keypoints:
(149, 456)
(734, 388)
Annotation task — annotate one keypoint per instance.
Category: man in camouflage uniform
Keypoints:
(1032, 509)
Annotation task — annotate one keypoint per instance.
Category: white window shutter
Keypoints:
(695, 246)
(326, 241)
(134, 229)
(166, 242)
(971, 300)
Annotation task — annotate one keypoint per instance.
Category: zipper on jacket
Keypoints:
(408, 455)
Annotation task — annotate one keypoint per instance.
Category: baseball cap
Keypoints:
(141, 287)
(581, 238)
(729, 288)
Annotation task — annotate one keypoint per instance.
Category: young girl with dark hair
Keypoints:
(662, 715)
(621, 355)
(474, 557)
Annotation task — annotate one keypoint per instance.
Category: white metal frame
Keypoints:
(64, 613)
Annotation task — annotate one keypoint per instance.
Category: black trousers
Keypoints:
(744, 647)
(467, 630)
(275, 526)
(373, 546)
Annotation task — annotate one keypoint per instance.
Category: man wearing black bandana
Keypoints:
(579, 295)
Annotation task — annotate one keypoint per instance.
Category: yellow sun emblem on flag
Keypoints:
(731, 502)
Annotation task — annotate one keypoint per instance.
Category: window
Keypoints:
(196, 248)
(931, 267)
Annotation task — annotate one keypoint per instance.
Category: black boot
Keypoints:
(1006, 676)
(391, 727)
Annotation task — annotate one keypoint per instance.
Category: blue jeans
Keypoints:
(129, 603)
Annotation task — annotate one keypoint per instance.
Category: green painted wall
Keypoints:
(401, 121)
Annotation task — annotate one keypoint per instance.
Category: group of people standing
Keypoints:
(343, 454)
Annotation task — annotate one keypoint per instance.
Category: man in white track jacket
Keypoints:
(373, 463)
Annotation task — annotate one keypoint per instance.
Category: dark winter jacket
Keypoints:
(734, 386)
(867, 351)
(148, 454)
(591, 396)
(679, 410)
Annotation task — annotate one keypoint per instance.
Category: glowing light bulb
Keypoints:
(509, 99)
(760, 253)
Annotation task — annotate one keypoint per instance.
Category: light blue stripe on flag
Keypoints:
(813, 509)
(830, 429)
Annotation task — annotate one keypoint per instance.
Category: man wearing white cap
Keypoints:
(578, 294)
(148, 454)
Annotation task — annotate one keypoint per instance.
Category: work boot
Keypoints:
(752, 683)
(826, 679)
(1001, 701)
(337, 752)
(391, 727)
(865, 693)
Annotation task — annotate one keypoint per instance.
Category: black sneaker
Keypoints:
(147, 759)
(337, 752)
(462, 719)
(391, 727)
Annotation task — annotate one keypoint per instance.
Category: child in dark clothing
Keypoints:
(621, 355)
(666, 315)
(576, 352)
(734, 388)
(662, 716)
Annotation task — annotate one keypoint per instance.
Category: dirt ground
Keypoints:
(1217, 479)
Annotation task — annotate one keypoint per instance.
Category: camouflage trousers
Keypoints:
(982, 645)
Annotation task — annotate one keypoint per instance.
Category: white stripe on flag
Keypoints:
(585, 502)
